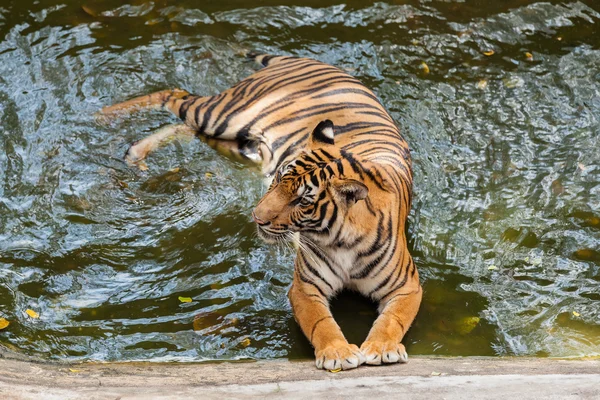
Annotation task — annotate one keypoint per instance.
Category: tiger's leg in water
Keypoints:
(138, 150)
(234, 149)
(398, 310)
(188, 107)
(311, 311)
(244, 151)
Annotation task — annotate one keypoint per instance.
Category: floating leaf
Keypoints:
(3, 323)
(467, 324)
(335, 371)
(74, 370)
(482, 84)
(425, 67)
(209, 175)
(436, 373)
(185, 299)
(489, 53)
(246, 342)
(575, 313)
(492, 267)
(154, 21)
(535, 261)
(529, 56)
(89, 11)
(32, 313)
(513, 82)
(557, 187)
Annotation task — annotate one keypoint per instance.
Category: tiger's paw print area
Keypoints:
(377, 352)
(343, 355)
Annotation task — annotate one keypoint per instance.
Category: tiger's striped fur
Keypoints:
(342, 181)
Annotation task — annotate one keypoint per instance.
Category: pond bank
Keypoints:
(422, 377)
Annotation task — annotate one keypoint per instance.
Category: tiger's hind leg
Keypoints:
(140, 149)
(237, 150)
(195, 111)
(244, 151)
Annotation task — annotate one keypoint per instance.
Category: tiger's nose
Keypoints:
(258, 220)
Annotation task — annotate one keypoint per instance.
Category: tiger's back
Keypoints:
(285, 100)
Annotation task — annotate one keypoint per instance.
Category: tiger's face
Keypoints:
(310, 193)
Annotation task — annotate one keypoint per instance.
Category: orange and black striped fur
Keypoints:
(341, 185)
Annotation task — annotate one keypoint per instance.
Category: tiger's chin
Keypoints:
(273, 237)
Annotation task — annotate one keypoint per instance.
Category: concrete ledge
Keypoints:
(421, 378)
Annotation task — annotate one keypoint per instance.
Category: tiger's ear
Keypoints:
(350, 190)
(323, 134)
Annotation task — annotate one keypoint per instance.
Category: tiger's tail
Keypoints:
(169, 100)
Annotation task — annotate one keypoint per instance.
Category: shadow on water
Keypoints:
(498, 100)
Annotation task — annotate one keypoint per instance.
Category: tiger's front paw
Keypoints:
(339, 355)
(377, 352)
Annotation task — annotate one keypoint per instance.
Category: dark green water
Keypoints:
(505, 226)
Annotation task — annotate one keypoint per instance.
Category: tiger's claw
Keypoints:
(342, 356)
(378, 353)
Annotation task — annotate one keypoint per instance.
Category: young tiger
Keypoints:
(341, 181)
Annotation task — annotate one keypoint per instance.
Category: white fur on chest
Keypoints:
(344, 260)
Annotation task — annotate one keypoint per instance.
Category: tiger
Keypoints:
(340, 186)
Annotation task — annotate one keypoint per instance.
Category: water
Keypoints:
(505, 226)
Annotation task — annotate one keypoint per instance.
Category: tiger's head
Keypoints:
(312, 193)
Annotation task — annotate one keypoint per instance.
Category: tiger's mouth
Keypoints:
(272, 236)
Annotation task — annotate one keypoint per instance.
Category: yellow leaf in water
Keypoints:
(89, 11)
(492, 267)
(153, 21)
(335, 371)
(32, 313)
(467, 324)
(529, 56)
(246, 342)
(436, 373)
(575, 313)
(425, 67)
(74, 370)
(482, 84)
(3, 323)
(185, 299)
(209, 175)
(489, 53)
